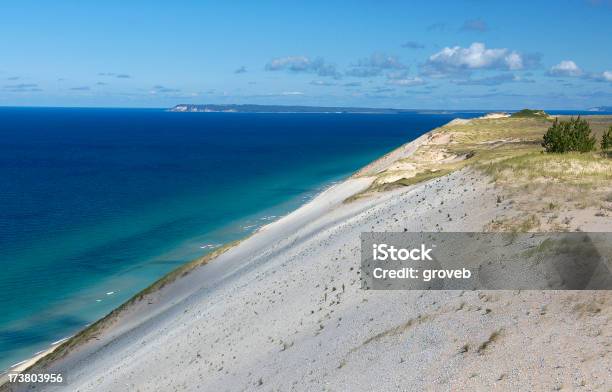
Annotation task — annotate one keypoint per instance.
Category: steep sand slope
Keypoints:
(283, 311)
(292, 317)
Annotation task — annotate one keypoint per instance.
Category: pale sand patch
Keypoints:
(495, 115)
(383, 162)
(459, 121)
(440, 138)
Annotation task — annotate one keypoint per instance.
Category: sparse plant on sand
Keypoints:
(566, 136)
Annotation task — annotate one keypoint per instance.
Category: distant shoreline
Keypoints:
(247, 108)
(302, 109)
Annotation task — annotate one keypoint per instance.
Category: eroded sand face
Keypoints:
(292, 316)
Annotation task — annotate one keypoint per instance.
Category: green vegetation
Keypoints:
(572, 168)
(530, 113)
(425, 175)
(572, 135)
(606, 139)
(460, 144)
(522, 223)
(541, 187)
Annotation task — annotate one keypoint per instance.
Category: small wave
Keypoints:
(60, 341)
(269, 217)
(210, 246)
(19, 363)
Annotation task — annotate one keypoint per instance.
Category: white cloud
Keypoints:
(605, 76)
(401, 74)
(495, 80)
(322, 83)
(381, 61)
(303, 64)
(407, 82)
(568, 68)
(565, 68)
(375, 65)
(293, 63)
(362, 72)
(163, 90)
(514, 61)
(476, 56)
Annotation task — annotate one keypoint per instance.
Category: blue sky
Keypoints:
(481, 54)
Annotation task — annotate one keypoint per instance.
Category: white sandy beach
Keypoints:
(284, 311)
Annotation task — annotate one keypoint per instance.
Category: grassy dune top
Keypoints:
(509, 151)
(530, 113)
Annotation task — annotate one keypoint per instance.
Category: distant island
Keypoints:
(251, 108)
(231, 108)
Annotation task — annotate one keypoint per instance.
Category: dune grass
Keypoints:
(457, 145)
(508, 149)
(543, 186)
(571, 168)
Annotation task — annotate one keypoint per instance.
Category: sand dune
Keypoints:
(283, 310)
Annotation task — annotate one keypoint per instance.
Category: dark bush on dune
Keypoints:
(530, 113)
(566, 136)
(606, 139)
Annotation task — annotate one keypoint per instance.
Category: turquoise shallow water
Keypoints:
(96, 204)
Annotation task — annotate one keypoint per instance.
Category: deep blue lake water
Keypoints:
(96, 204)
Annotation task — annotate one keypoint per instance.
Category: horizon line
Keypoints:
(285, 105)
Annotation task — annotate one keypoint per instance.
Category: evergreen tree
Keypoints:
(572, 135)
(606, 139)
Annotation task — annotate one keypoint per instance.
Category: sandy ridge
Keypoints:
(283, 311)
